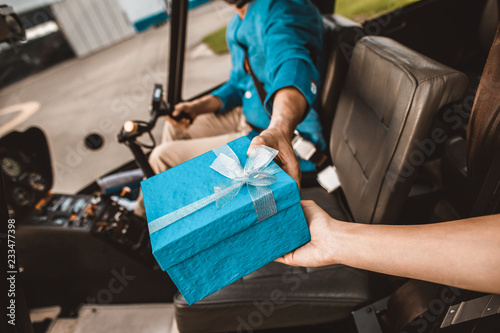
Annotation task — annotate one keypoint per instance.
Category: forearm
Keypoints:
(289, 107)
(194, 108)
(463, 253)
(207, 104)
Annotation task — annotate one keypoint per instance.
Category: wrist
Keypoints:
(206, 104)
(343, 240)
(213, 103)
(281, 128)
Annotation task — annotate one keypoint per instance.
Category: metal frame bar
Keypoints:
(178, 25)
(325, 6)
(366, 319)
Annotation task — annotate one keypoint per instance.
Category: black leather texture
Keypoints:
(385, 112)
(277, 296)
(332, 203)
(339, 41)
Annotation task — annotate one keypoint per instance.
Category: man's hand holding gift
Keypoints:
(288, 111)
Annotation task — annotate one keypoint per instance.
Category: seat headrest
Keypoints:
(413, 63)
(489, 22)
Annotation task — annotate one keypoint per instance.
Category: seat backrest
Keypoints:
(384, 115)
(488, 24)
(483, 135)
(339, 40)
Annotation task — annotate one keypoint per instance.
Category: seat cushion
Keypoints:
(277, 296)
(332, 203)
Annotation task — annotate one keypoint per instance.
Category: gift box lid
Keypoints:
(194, 180)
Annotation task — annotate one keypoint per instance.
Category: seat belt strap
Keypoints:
(307, 151)
(329, 179)
(259, 86)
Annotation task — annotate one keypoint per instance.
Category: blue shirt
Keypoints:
(282, 38)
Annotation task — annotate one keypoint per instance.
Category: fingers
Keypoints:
(312, 210)
(308, 205)
(289, 162)
(286, 158)
(181, 108)
(292, 167)
(182, 123)
(258, 141)
(286, 261)
(281, 260)
(308, 209)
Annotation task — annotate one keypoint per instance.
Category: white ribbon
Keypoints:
(257, 174)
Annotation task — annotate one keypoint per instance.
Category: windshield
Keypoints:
(90, 65)
(87, 67)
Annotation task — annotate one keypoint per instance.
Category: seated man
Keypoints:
(272, 89)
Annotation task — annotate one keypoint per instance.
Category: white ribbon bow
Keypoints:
(257, 174)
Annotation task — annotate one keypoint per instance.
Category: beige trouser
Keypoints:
(206, 133)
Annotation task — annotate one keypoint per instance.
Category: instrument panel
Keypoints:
(69, 211)
(27, 173)
(26, 183)
(26, 167)
(11, 167)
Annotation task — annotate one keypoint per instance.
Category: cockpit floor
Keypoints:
(130, 318)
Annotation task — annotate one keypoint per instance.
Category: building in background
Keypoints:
(46, 46)
(58, 30)
(92, 25)
(144, 14)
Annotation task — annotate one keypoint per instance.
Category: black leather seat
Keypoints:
(339, 41)
(389, 102)
(488, 24)
(387, 105)
(276, 295)
(458, 188)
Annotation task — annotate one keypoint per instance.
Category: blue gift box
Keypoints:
(211, 248)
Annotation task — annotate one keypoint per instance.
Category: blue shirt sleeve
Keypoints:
(291, 32)
(230, 95)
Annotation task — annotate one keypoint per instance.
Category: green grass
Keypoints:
(217, 41)
(358, 10)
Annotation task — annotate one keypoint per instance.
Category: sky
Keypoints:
(135, 9)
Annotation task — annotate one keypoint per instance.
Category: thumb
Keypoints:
(257, 141)
(179, 108)
(177, 111)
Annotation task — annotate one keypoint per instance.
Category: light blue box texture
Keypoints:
(211, 248)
